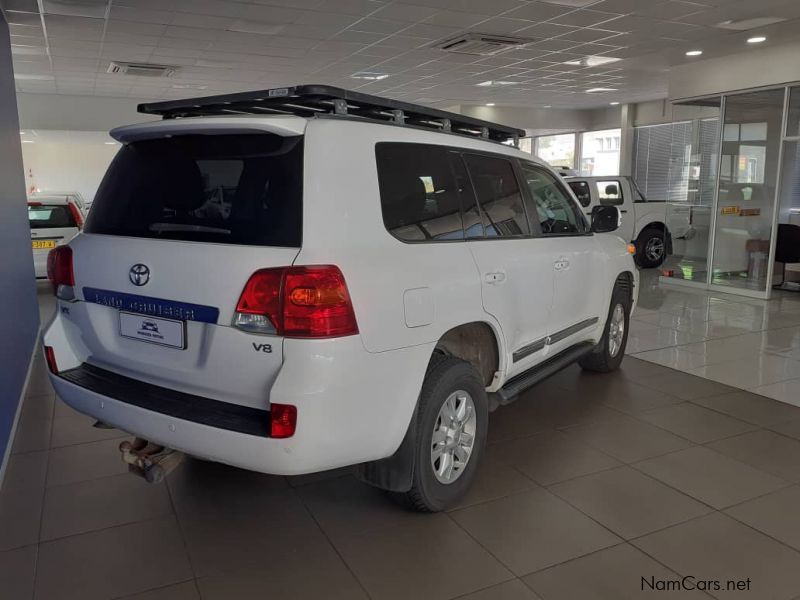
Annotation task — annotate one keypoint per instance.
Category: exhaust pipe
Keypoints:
(148, 460)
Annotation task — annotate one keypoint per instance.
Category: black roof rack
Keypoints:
(311, 100)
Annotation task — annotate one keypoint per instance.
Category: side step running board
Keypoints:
(518, 384)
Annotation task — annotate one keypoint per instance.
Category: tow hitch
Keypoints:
(149, 460)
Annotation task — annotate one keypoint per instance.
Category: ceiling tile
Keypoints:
(585, 18)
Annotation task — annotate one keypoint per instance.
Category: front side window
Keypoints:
(419, 192)
(557, 212)
(499, 196)
(581, 191)
(609, 193)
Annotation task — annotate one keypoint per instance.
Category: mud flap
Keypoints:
(395, 473)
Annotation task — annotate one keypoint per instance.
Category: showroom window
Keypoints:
(419, 194)
(600, 152)
(662, 160)
(557, 150)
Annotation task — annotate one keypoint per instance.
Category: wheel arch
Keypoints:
(476, 343)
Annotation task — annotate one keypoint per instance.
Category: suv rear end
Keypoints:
(54, 221)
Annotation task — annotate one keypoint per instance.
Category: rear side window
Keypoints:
(419, 192)
(498, 195)
(581, 191)
(229, 189)
(610, 193)
(45, 216)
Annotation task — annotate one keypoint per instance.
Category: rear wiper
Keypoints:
(166, 227)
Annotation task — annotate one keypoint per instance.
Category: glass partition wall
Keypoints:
(738, 172)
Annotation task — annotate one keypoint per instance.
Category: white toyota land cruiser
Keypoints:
(305, 278)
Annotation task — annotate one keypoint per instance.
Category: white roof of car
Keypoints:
(49, 198)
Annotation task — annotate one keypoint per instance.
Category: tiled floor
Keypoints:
(745, 343)
(590, 483)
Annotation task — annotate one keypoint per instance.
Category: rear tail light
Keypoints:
(59, 271)
(298, 302)
(283, 420)
(50, 358)
(76, 215)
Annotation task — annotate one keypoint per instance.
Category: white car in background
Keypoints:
(74, 197)
(54, 221)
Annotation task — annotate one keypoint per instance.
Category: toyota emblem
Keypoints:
(139, 274)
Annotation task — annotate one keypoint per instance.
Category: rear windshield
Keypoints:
(45, 216)
(229, 189)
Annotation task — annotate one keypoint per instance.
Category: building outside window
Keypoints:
(600, 152)
(558, 150)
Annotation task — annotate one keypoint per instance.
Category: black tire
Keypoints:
(445, 376)
(650, 240)
(600, 359)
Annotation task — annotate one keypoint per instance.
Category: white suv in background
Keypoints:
(54, 221)
(358, 282)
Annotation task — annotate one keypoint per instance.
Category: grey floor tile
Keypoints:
(38, 407)
(629, 503)
(719, 548)
(711, 477)
(751, 407)
(62, 409)
(32, 435)
(112, 562)
(432, 559)
(255, 517)
(552, 456)
(696, 423)
(25, 472)
(533, 530)
(629, 439)
(84, 462)
(509, 590)
(301, 480)
(320, 573)
(789, 428)
(632, 397)
(345, 506)
(768, 451)
(20, 517)
(685, 386)
(38, 384)
(494, 480)
(636, 369)
(179, 591)
(84, 506)
(17, 568)
(78, 429)
(774, 514)
(612, 574)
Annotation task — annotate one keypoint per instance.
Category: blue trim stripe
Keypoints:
(156, 307)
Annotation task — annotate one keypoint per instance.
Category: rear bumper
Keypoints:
(352, 406)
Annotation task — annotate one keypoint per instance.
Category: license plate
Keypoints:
(43, 244)
(144, 328)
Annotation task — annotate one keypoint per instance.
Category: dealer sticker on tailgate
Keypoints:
(165, 332)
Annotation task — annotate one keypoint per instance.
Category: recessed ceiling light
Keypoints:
(694, 53)
(613, 103)
(22, 132)
(369, 75)
(757, 39)
(592, 61)
(600, 90)
(256, 27)
(490, 104)
(110, 143)
(547, 106)
(495, 83)
(27, 141)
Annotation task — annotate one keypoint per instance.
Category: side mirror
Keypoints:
(605, 219)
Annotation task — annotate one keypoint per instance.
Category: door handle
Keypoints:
(495, 278)
(623, 211)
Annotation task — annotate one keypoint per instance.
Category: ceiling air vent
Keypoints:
(141, 69)
(747, 24)
(481, 44)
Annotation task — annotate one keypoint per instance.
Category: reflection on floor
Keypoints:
(742, 342)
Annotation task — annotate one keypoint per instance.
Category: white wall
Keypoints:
(66, 161)
(545, 121)
(77, 113)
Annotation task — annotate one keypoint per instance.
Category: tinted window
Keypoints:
(44, 216)
(581, 191)
(419, 192)
(232, 189)
(558, 214)
(609, 192)
(499, 196)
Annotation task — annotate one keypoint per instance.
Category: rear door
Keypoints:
(52, 224)
(177, 227)
(515, 268)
